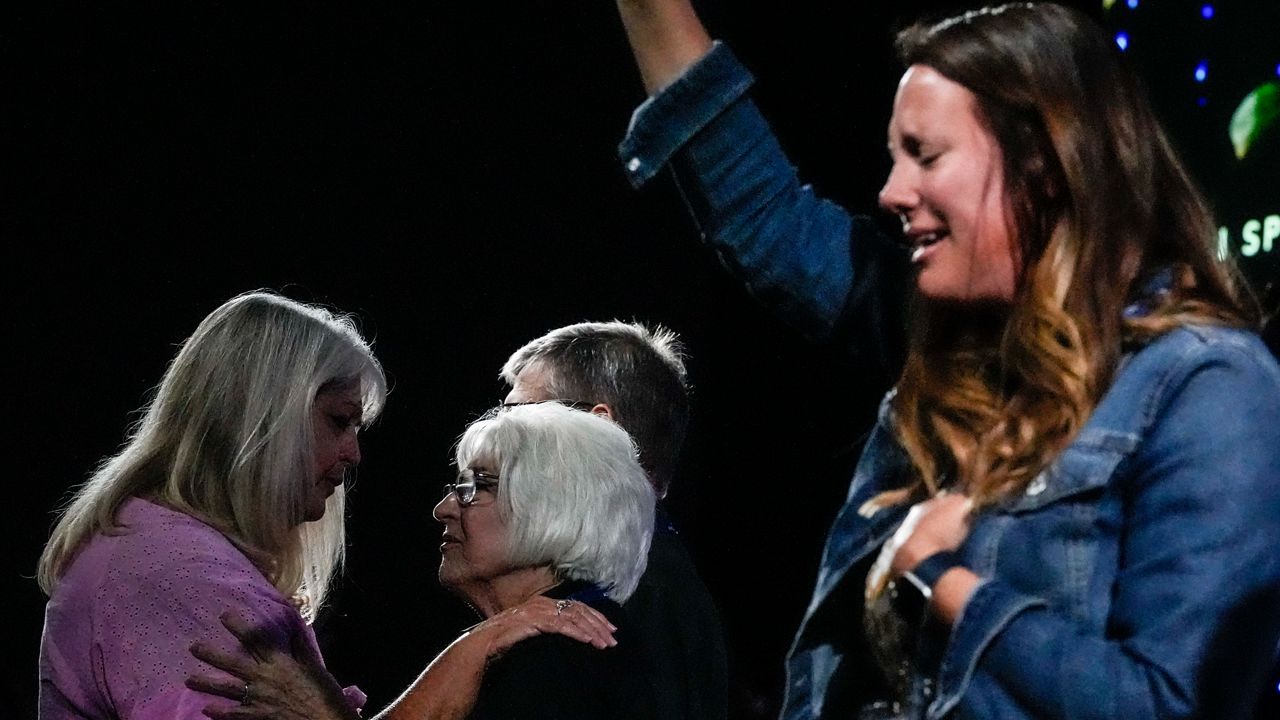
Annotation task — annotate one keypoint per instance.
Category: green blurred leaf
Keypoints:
(1256, 114)
(1106, 4)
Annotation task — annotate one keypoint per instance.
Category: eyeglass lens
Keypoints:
(468, 483)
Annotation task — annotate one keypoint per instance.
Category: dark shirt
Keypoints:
(683, 641)
(553, 677)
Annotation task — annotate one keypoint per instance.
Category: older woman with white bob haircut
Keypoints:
(550, 501)
(550, 510)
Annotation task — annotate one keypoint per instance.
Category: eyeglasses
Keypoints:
(469, 483)
(575, 404)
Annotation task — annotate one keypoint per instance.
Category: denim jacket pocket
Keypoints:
(1086, 465)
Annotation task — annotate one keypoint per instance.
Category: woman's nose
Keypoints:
(350, 449)
(898, 194)
(446, 508)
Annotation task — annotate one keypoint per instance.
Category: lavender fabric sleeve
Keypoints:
(119, 626)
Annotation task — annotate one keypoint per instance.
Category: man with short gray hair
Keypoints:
(636, 376)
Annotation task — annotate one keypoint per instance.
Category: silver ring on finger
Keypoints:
(561, 605)
(245, 697)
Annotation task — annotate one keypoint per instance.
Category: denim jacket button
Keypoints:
(633, 164)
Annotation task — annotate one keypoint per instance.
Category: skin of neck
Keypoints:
(508, 590)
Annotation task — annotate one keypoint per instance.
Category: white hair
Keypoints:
(571, 491)
(229, 439)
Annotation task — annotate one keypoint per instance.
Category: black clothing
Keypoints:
(683, 643)
(552, 677)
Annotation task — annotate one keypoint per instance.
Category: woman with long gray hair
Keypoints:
(227, 495)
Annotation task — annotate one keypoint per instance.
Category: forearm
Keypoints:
(805, 257)
(448, 687)
(666, 37)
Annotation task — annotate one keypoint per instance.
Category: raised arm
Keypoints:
(666, 37)
(832, 275)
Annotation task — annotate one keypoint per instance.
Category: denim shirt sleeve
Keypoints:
(833, 275)
(1192, 628)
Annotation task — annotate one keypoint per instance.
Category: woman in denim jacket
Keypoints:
(1079, 466)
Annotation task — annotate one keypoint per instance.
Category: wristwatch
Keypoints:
(925, 574)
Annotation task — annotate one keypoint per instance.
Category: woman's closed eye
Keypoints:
(927, 161)
(342, 423)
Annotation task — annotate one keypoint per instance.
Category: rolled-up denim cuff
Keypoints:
(990, 608)
(666, 121)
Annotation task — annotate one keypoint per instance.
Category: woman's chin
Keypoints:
(454, 579)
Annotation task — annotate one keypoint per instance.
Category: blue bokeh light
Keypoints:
(1202, 101)
(1202, 71)
(1122, 39)
(1206, 11)
(1133, 4)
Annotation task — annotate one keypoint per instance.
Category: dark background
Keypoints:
(448, 174)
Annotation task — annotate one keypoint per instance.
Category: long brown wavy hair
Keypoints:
(1099, 204)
